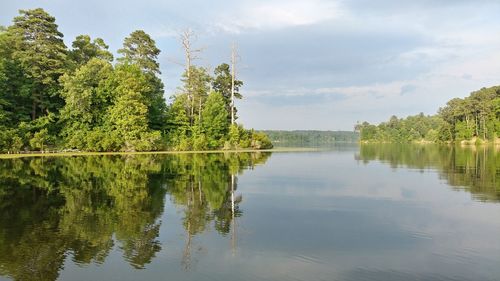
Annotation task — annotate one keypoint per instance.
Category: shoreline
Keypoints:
(473, 142)
(71, 154)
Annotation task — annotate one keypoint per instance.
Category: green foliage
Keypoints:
(462, 131)
(214, 120)
(178, 123)
(87, 99)
(15, 87)
(77, 99)
(128, 115)
(196, 85)
(432, 135)
(222, 84)
(84, 94)
(84, 50)
(260, 141)
(234, 134)
(39, 49)
(476, 116)
(200, 142)
(242, 137)
(157, 108)
(141, 50)
(40, 140)
(9, 140)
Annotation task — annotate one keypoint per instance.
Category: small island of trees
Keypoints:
(471, 120)
(80, 98)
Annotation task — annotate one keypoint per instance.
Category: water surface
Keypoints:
(352, 213)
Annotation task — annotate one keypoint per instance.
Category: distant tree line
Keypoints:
(80, 98)
(310, 138)
(473, 119)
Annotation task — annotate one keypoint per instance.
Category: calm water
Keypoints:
(369, 213)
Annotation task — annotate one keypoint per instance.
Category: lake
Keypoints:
(375, 212)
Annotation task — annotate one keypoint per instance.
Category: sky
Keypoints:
(315, 64)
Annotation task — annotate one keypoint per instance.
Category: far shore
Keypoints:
(66, 154)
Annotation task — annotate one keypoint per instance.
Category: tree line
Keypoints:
(473, 119)
(310, 138)
(81, 98)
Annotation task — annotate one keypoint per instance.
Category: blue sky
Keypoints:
(313, 64)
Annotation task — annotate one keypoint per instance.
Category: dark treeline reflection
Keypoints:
(84, 207)
(475, 168)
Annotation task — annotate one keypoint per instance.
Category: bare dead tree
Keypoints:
(187, 37)
(234, 56)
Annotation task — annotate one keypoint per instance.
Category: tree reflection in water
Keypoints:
(475, 169)
(82, 207)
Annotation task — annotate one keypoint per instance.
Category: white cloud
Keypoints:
(276, 14)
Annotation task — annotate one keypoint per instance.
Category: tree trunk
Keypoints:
(33, 110)
(233, 73)
(484, 128)
(199, 111)
(477, 126)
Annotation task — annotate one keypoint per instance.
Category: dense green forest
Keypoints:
(474, 119)
(81, 98)
(310, 138)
